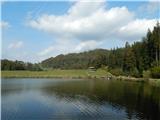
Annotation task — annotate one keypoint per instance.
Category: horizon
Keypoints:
(35, 31)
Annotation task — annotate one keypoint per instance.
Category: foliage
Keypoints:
(95, 58)
(147, 74)
(135, 73)
(129, 62)
(116, 71)
(155, 72)
(19, 65)
(138, 57)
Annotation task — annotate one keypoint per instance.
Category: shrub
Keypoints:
(116, 71)
(103, 67)
(155, 72)
(135, 73)
(147, 74)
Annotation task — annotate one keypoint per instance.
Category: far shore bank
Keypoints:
(74, 74)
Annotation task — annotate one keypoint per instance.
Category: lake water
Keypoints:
(56, 99)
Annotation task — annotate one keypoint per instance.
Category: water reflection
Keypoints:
(79, 99)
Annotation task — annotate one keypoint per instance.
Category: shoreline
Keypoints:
(70, 74)
(151, 81)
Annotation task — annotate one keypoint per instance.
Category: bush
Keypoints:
(155, 72)
(147, 74)
(116, 71)
(135, 73)
(103, 67)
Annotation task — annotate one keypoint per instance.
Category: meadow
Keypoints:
(56, 74)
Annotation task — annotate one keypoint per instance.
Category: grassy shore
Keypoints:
(77, 74)
(154, 82)
(56, 74)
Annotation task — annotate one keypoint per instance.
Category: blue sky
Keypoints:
(34, 31)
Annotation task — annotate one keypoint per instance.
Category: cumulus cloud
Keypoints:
(4, 24)
(90, 23)
(87, 45)
(46, 51)
(97, 26)
(15, 45)
(135, 29)
(85, 8)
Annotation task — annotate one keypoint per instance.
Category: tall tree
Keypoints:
(129, 62)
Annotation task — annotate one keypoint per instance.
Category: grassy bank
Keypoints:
(56, 74)
(80, 74)
(154, 82)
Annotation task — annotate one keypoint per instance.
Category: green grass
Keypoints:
(154, 82)
(55, 74)
(100, 73)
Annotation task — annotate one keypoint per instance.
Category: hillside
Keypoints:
(81, 60)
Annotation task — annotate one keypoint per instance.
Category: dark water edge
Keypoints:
(47, 99)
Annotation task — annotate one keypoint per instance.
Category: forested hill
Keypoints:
(130, 60)
(82, 60)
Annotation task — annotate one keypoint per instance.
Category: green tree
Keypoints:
(129, 62)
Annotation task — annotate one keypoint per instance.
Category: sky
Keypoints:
(33, 31)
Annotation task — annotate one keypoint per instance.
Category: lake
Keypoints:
(58, 99)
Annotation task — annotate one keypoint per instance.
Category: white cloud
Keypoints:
(84, 8)
(134, 30)
(4, 24)
(15, 45)
(87, 45)
(46, 51)
(87, 24)
(58, 47)
(97, 25)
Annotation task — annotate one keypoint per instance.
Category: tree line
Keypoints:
(139, 57)
(19, 65)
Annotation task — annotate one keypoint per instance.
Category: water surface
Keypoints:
(51, 99)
